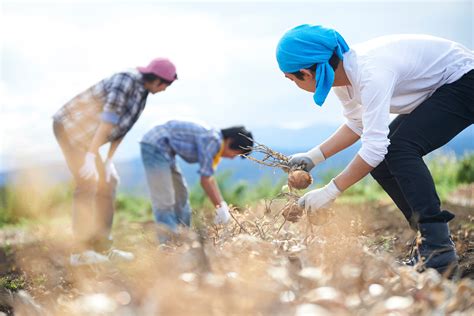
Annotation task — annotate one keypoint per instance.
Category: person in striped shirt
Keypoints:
(195, 143)
(103, 114)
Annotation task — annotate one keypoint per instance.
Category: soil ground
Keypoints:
(258, 265)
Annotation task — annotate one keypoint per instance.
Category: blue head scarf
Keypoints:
(306, 45)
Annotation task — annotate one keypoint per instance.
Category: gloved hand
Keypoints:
(320, 198)
(111, 172)
(307, 160)
(222, 214)
(89, 169)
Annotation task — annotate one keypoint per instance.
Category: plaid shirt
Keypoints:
(192, 141)
(119, 100)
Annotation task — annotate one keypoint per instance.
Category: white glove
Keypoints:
(320, 198)
(307, 160)
(89, 169)
(222, 214)
(111, 172)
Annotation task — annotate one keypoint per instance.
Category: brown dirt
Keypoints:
(257, 265)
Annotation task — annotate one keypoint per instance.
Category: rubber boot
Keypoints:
(436, 250)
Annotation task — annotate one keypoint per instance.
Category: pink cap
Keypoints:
(162, 67)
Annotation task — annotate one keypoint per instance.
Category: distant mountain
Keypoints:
(286, 141)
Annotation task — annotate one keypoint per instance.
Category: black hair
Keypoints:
(150, 77)
(241, 138)
(333, 61)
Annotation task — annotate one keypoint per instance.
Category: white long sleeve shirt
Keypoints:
(395, 74)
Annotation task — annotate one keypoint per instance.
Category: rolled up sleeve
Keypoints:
(207, 150)
(110, 117)
(376, 93)
(118, 89)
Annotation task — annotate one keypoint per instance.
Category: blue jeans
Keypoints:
(168, 189)
(93, 201)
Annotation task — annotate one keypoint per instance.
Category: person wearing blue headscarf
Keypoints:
(307, 45)
(428, 81)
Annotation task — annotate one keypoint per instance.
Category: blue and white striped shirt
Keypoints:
(192, 141)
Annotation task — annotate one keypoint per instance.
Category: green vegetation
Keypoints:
(447, 170)
(20, 205)
(366, 190)
(13, 282)
(238, 194)
(32, 203)
(133, 208)
(465, 171)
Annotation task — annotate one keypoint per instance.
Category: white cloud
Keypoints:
(224, 53)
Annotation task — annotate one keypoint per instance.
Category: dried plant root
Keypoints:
(292, 212)
(297, 178)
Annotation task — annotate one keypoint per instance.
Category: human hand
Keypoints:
(320, 198)
(111, 172)
(89, 169)
(307, 160)
(222, 214)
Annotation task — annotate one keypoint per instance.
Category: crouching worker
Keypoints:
(195, 143)
(428, 81)
(102, 114)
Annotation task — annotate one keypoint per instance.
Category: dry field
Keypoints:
(257, 265)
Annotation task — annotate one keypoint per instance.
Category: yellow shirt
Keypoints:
(217, 157)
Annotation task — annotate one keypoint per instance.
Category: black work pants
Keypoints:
(403, 173)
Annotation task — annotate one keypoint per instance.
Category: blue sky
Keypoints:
(224, 52)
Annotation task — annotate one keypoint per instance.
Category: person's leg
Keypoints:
(104, 209)
(431, 125)
(388, 182)
(183, 208)
(84, 192)
(160, 184)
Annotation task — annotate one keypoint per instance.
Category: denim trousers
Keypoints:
(93, 201)
(403, 174)
(167, 187)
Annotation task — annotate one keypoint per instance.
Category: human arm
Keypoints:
(340, 140)
(110, 170)
(209, 185)
(376, 97)
(113, 147)
(89, 169)
(117, 89)
(353, 173)
(211, 188)
(208, 147)
(100, 137)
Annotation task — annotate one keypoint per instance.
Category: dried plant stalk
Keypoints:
(297, 177)
(271, 158)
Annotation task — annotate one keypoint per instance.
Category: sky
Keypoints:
(224, 53)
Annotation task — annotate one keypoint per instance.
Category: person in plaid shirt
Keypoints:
(195, 143)
(102, 114)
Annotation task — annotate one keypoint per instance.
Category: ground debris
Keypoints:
(260, 263)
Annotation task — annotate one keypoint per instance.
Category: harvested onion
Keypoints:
(299, 179)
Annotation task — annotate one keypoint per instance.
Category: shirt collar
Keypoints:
(218, 156)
